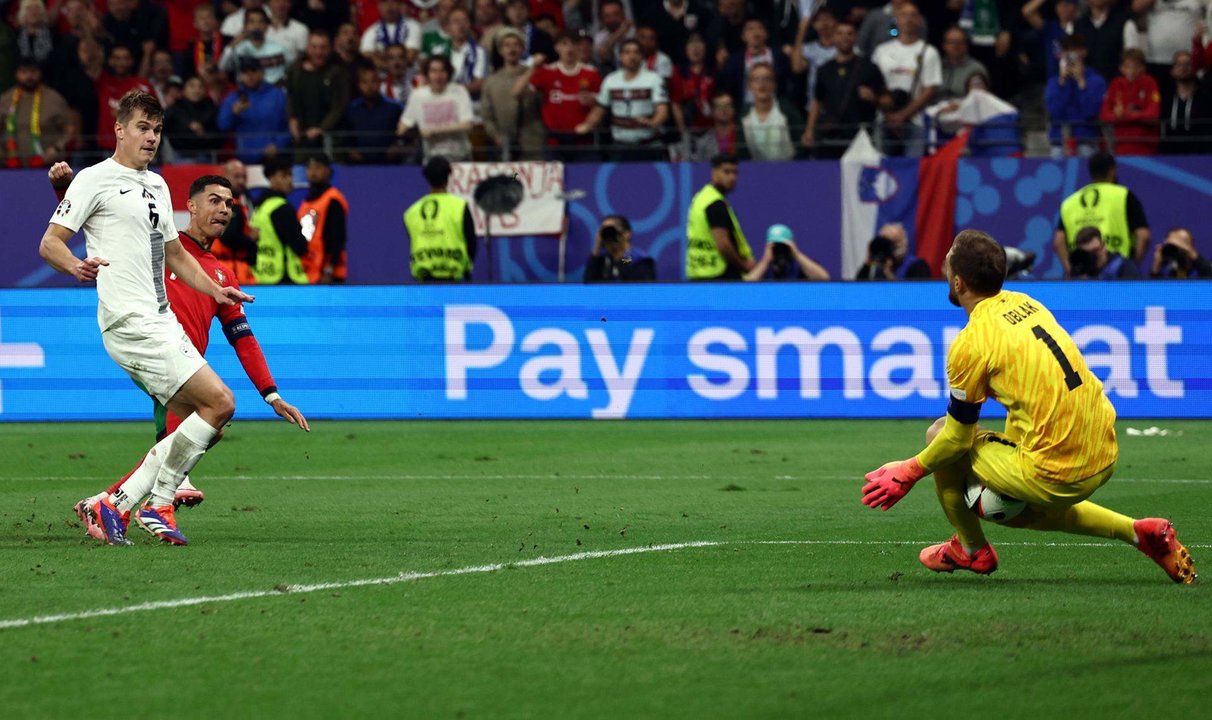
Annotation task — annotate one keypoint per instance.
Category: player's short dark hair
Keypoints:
(320, 157)
(979, 261)
(1087, 234)
(436, 171)
(320, 32)
(206, 181)
(1101, 164)
(249, 12)
(631, 41)
(275, 164)
(723, 159)
(139, 100)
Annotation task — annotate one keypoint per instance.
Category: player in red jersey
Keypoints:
(210, 211)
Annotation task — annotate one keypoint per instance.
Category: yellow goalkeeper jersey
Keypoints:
(1014, 351)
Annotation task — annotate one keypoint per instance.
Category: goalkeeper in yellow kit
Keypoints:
(1059, 445)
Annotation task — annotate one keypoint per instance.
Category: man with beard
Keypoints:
(1059, 443)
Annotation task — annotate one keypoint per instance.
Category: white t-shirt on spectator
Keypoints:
(425, 110)
(769, 138)
(271, 55)
(381, 35)
(470, 62)
(899, 64)
(1171, 23)
(233, 24)
(630, 100)
(292, 36)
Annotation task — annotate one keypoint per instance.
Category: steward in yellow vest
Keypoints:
(441, 230)
(322, 217)
(1103, 204)
(280, 245)
(716, 248)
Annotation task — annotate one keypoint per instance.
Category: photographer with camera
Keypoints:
(782, 260)
(1176, 258)
(1090, 260)
(613, 258)
(1105, 204)
(888, 257)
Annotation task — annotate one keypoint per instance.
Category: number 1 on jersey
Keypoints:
(1072, 379)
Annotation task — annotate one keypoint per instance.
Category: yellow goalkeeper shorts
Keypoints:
(996, 464)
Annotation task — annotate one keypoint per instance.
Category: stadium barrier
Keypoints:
(651, 351)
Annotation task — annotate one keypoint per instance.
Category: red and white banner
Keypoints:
(542, 208)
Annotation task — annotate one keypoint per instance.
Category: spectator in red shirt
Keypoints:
(111, 85)
(568, 89)
(1132, 106)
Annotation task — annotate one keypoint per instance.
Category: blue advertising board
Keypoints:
(651, 351)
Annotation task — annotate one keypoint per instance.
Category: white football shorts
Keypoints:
(155, 352)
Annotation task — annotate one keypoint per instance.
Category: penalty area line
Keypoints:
(405, 577)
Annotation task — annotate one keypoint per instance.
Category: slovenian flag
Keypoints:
(920, 194)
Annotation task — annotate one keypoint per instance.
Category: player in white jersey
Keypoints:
(127, 218)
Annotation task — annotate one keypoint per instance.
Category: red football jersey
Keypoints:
(560, 89)
(193, 309)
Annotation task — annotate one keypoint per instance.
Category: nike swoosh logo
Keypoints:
(123, 192)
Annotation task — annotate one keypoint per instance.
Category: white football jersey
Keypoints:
(127, 216)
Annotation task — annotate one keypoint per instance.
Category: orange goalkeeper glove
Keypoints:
(885, 487)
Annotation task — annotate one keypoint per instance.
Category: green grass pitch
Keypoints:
(840, 620)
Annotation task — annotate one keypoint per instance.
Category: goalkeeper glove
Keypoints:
(885, 487)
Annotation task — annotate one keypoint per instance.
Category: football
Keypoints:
(992, 505)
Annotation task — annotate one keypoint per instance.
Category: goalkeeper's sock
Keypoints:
(1086, 518)
(186, 447)
(950, 481)
(130, 491)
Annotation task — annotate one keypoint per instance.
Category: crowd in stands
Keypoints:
(395, 80)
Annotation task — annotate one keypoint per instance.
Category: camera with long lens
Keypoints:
(610, 235)
(881, 250)
(1083, 263)
(1019, 262)
(1173, 260)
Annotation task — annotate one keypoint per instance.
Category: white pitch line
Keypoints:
(471, 570)
(298, 589)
